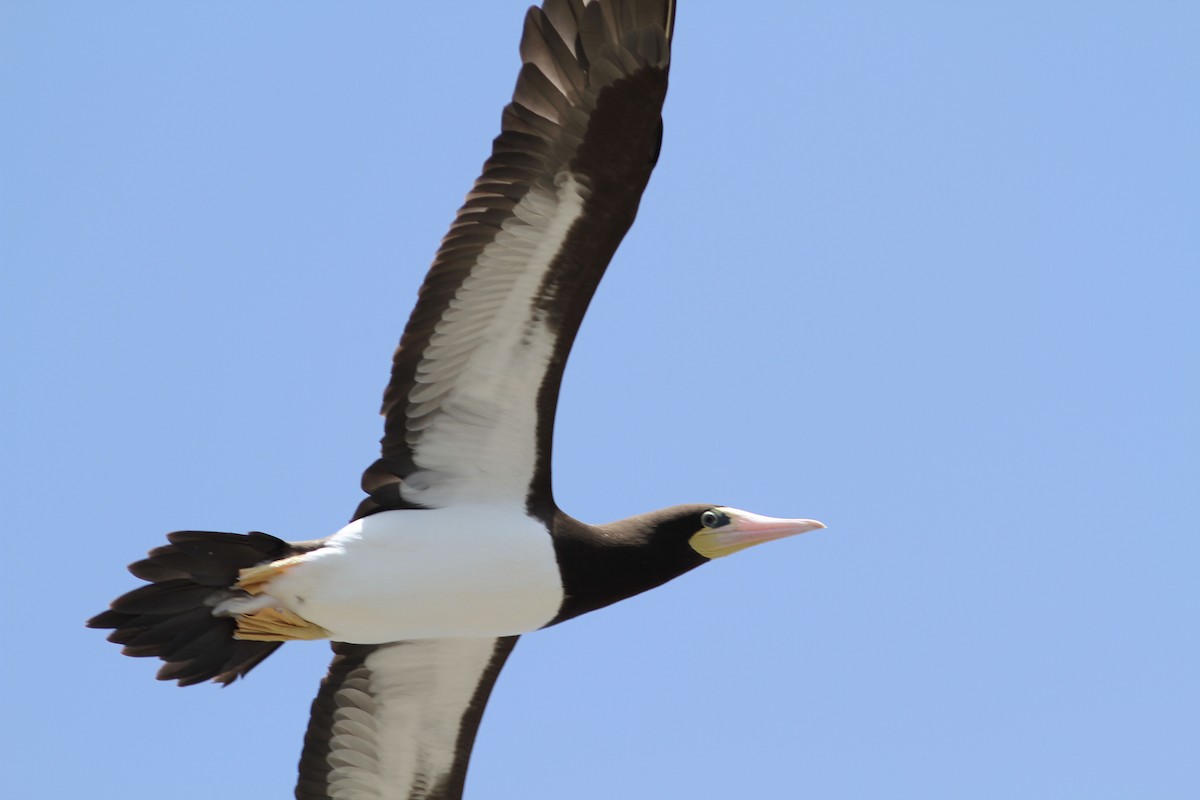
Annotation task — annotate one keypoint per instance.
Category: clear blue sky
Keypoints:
(925, 271)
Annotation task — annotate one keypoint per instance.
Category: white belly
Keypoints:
(472, 571)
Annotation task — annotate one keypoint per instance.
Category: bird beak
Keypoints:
(745, 529)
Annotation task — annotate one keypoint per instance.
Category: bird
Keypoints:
(458, 548)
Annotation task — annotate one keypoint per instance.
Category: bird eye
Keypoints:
(711, 519)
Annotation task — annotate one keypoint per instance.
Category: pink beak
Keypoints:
(746, 529)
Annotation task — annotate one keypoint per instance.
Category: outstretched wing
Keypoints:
(470, 406)
(397, 721)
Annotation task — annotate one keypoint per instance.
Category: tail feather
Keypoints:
(171, 617)
(168, 597)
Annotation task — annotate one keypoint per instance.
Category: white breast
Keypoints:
(466, 571)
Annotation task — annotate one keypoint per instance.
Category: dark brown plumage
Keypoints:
(171, 617)
(605, 130)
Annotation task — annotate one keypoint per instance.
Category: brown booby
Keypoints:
(458, 547)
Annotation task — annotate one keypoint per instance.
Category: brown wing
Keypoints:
(470, 406)
(397, 721)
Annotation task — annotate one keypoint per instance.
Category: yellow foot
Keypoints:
(276, 625)
(254, 580)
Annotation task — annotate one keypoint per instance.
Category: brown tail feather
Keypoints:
(172, 618)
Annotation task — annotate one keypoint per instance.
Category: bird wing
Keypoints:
(397, 721)
(469, 410)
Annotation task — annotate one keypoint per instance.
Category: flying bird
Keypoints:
(458, 547)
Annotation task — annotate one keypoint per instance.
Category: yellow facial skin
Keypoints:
(728, 530)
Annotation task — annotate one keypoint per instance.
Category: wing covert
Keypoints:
(397, 721)
(469, 409)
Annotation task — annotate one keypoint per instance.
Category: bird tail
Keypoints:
(172, 617)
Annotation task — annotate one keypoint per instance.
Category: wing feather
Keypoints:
(469, 409)
(397, 721)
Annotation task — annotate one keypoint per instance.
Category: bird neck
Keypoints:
(601, 564)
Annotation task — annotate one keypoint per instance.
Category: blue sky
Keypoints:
(924, 271)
